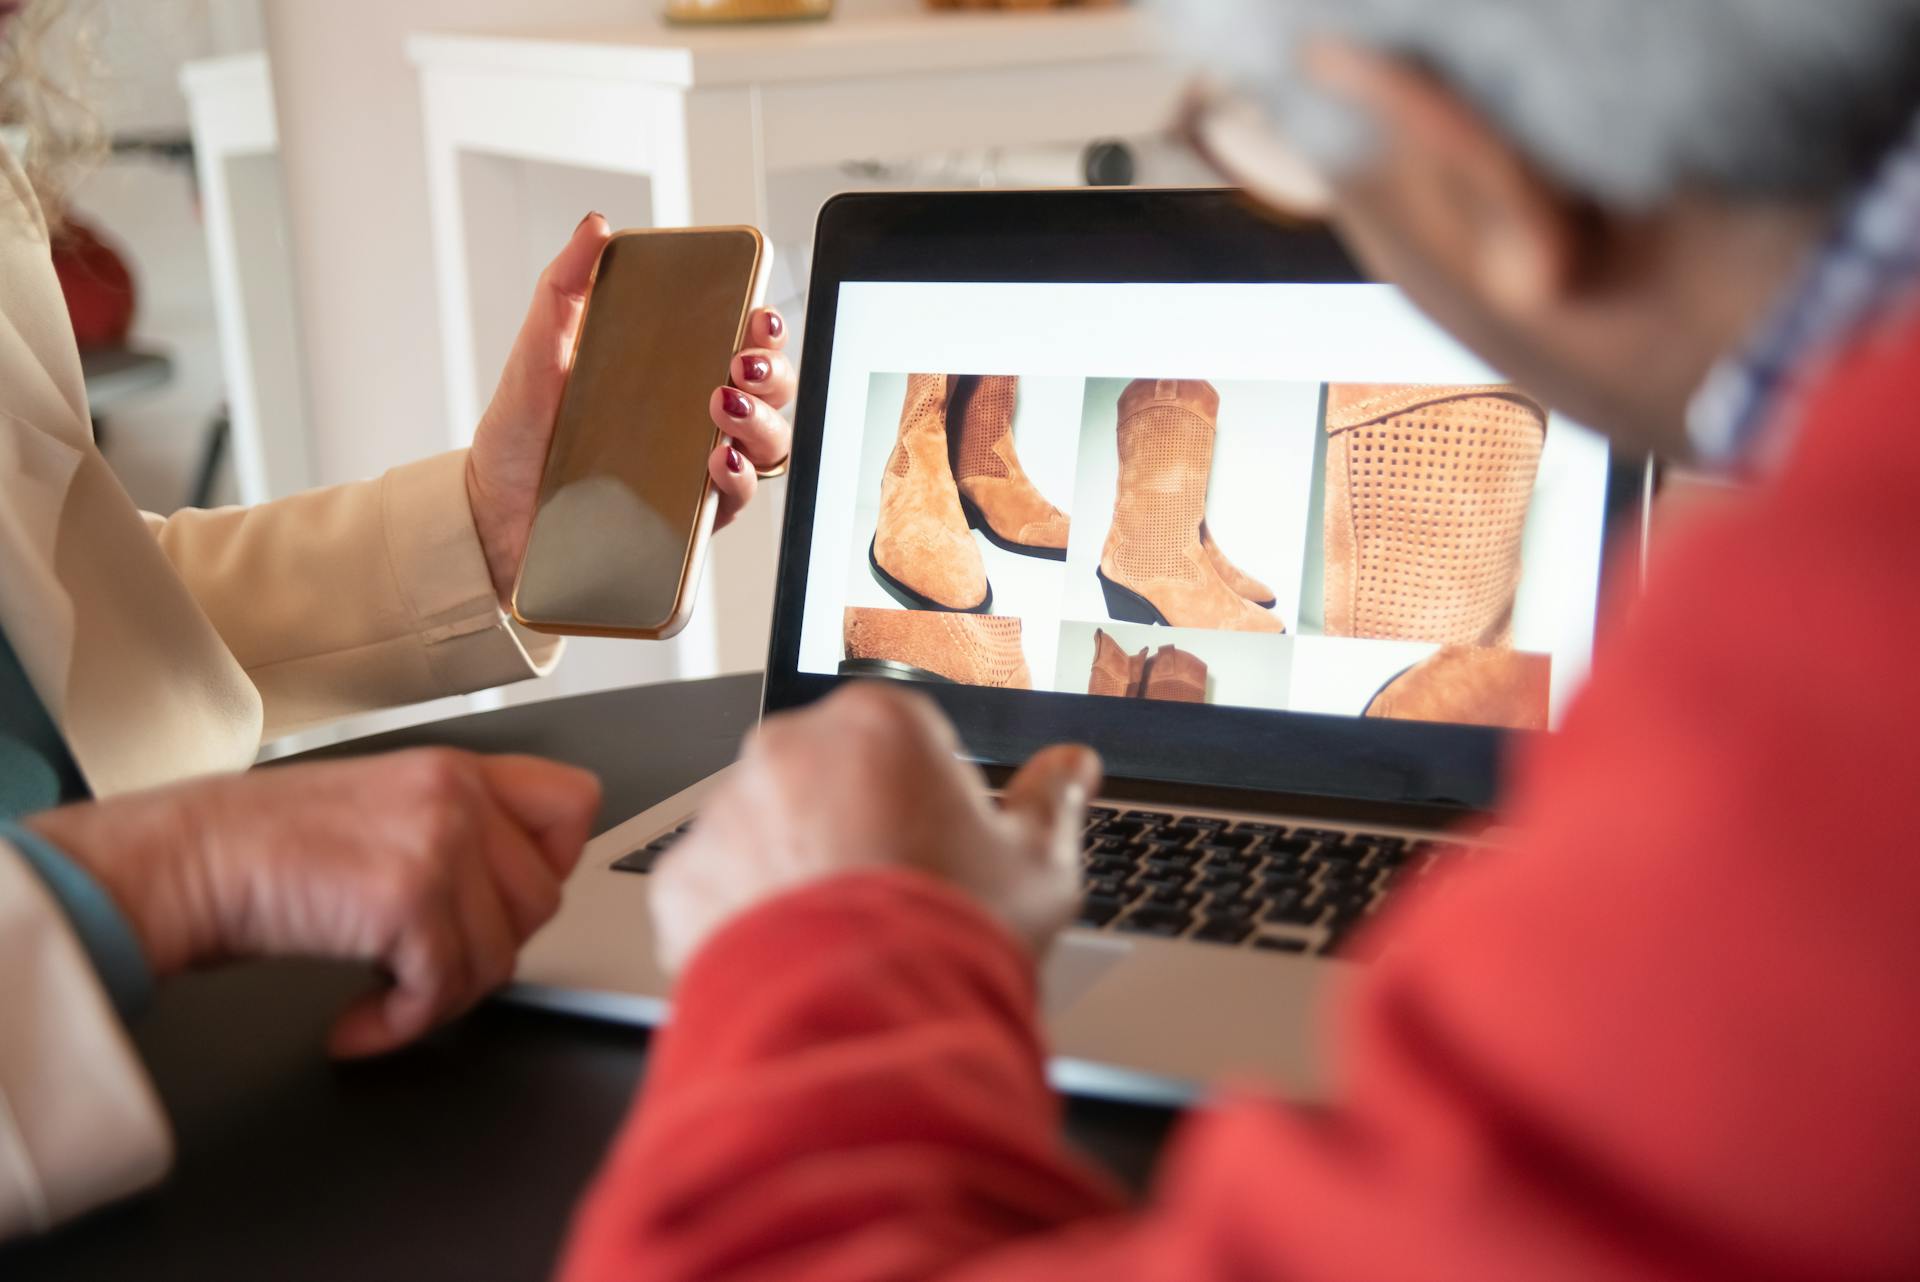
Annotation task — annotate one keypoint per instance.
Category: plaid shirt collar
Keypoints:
(1867, 267)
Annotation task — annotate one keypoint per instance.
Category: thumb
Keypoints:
(546, 338)
(1050, 794)
(554, 804)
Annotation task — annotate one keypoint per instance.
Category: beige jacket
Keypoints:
(166, 649)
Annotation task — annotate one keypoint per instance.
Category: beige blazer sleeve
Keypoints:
(80, 1124)
(361, 596)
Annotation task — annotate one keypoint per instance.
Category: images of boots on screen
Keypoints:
(1334, 547)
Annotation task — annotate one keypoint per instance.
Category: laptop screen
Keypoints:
(1289, 497)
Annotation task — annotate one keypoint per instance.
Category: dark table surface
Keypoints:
(460, 1158)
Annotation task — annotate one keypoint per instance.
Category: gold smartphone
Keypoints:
(626, 504)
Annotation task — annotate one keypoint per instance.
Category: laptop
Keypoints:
(1301, 567)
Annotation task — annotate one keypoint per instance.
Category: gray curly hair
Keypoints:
(1625, 101)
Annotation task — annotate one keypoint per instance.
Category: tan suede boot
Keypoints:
(1112, 674)
(1174, 676)
(1153, 568)
(995, 492)
(1427, 496)
(922, 552)
(920, 645)
(1233, 576)
(1471, 686)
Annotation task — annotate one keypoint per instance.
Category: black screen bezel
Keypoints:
(1418, 771)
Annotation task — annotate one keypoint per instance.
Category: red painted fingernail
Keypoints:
(757, 369)
(735, 403)
(591, 215)
(735, 463)
(775, 326)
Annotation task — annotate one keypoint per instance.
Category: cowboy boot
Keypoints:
(1427, 496)
(1112, 671)
(919, 645)
(1175, 676)
(1153, 568)
(922, 552)
(995, 492)
(1235, 577)
(1471, 686)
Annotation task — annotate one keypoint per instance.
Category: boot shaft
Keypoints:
(923, 424)
(1165, 439)
(1427, 496)
(979, 423)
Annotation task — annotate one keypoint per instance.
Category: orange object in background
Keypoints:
(98, 286)
(746, 10)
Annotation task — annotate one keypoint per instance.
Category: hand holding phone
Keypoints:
(626, 504)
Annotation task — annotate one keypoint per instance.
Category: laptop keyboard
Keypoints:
(1240, 885)
(1211, 880)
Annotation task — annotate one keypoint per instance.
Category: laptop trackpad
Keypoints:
(1076, 965)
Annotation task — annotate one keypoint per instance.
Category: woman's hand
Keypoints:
(871, 778)
(510, 445)
(436, 865)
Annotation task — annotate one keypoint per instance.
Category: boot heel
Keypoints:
(1127, 605)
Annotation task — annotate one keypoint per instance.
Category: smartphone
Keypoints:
(626, 505)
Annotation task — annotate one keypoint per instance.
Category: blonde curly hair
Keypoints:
(47, 67)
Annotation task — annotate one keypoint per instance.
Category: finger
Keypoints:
(908, 716)
(424, 966)
(767, 328)
(1049, 796)
(734, 480)
(545, 343)
(522, 879)
(554, 804)
(767, 375)
(754, 427)
(489, 941)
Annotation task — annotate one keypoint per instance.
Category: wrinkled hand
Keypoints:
(870, 779)
(436, 865)
(510, 445)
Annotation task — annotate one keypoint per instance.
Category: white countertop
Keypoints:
(840, 47)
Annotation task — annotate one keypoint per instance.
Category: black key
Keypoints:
(1225, 879)
(1290, 846)
(1219, 856)
(1347, 880)
(1100, 812)
(1284, 883)
(640, 861)
(1276, 944)
(1148, 883)
(1109, 887)
(1179, 900)
(1231, 906)
(1381, 841)
(1098, 910)
(1294, 910)
(1219, 931)
(1346, 898)
(1175, 856)
(1150, 818)
(1320, 834)
(1342, 853)
(1183, 833)
(1124, 829)
(1107, 866)
(1234, 839)
(1263, 829)
(1149, 920)
(1104, 845)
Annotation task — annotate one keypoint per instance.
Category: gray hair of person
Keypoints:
(1626, 102)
